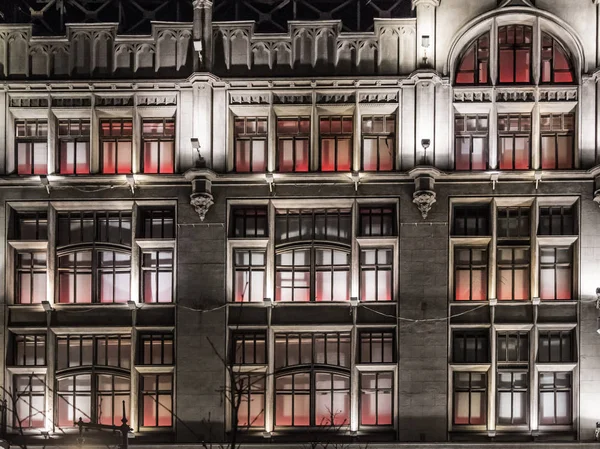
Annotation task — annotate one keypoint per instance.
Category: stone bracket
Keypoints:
(201, 198)
(424, 196)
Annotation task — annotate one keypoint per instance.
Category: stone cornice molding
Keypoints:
(434, 3)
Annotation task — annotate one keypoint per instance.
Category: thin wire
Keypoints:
(426, 320)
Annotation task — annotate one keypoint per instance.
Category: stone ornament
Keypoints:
(201, 202)
(424, 199)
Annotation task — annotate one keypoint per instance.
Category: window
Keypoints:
(31, 277)
(84, 350)
(29, 350)
(74, 396)
(556, 399)
(474, 63)
(249, 348)
(512, 397)
(29, 401)
(115, 144)
(471, 142)
(377, 347)
(249, 222)
(336, 143)
(156, 349)
(158, 223)
(515, 48)
(513, 347)
(377, 221)
(470, 274)
(31, 141)
(90, 227)
(376, 280)
(376, 398)
(307, 349)
(250, 389)
(556, 273)
(158, 143)
(471, 220)
(293, 143)
(513, 222)
(514, 141)
(250, 144)
(31, 226)
(157, 276)
(470, 346)
(379, 143)
(558, 141)
(156, 391)
(249, 275)
(556, 347)
(292, 406)
(308, 224)
(513, 274)
(557, 220)
(74, 147)
(556, 65)
(470, 398)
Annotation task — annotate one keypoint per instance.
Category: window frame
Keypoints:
(116, 139)
(513, 136)
(515, 48)
(161, 139)
(337, 137)
(75, 139)
(377, 136)
(30, 142)
(483, 135)
(294, 137)
(246, 136)
(556, 134)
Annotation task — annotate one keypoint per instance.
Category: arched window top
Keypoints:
(474, 63)
(514, 50)
(556, 64)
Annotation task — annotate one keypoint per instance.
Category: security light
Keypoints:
(130, 182)
(47, 306)
(425, 41)
(132, 305)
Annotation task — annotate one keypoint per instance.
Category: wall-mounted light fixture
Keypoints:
(425, 42)
(45, 183)
(130, 182)
(425, 143)
(270, 180)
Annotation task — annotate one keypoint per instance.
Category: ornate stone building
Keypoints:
(321, 223)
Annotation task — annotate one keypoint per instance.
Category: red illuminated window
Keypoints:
(515, 49)
(558, 141)
(115, 145)
(376, 280)
(514, 146)
(470, 398)
(31, 142)
(470, 274)
(111, 392)
(556, 273)
(29, 350)
(336, 143)
(249, 275)
(250, 389)
(74, 147)
(556, 64)
(29, 401)
(471, 142)
(158, 144)
(293, 144)
(250, 144)
(474, 63)
(376, 398)
(378, 149)
(513, 273)
(292, 400)
(156, 349)
(31, 285)
(156, 404)
(556, 398)
(157, 276)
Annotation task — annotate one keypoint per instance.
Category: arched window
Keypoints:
(514, 50)
(556, 66)
(474, 63)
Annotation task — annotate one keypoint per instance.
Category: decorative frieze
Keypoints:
(558, 95)
(71, 102)
(472, 96)
(389, 97)
(292, 98)
(337, 98)
(28, 102)
(510, 95)
(156, 100)
(249, 98)
(114, 101)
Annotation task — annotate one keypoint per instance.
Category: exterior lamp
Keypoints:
(425, 42)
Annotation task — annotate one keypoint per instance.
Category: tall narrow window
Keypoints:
(250, 144)
(514, 135)
(250, 388)
(470, 398)
(29, 401)
(556, 64)
(556, 273)
(556, 398)
(471, 142)
(515, 49)
(293, 143)
(512, 397)
(376, 274)
(74, 147)
(114, 275)
(474, 64)
(111, 392)
(158, 143)
(156, 402)
(336, 143)
(74, 396)
(332, 276)
(513, 273)
(379, 142)
(249, 275)
(115, 145)
(470, 274)
(31, 142)
(558, 140)
(376, 398)
(31, 277)
(157, 275)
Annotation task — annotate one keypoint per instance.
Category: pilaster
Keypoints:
(202, 34)
(426, 17)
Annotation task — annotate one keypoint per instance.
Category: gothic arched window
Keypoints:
(474, 63)
(556, 66)
(514, 54)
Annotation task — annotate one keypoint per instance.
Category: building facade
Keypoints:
(321, 223)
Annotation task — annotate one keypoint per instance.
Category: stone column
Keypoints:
(426, 15)
(202, 33)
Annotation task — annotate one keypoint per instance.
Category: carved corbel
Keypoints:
(201, 198)
(424, 196)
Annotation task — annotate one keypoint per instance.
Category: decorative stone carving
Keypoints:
(114, 101)
(391, 97)
(157, 100)
(27, 102)
(249, 99)
(201, 202)
(68, 102)
(292, 98)
(424, 199)
(515, 95)
(336, 98)
(463, 96)
(558, 95)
